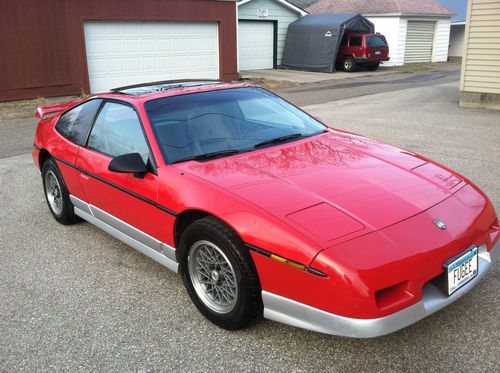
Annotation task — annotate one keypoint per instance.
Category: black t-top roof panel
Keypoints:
(155, 87)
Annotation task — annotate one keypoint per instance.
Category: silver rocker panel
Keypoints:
(149, 246)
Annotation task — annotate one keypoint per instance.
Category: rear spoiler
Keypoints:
(56, 107)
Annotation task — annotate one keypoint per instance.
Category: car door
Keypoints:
(356, 45)
(127, 202)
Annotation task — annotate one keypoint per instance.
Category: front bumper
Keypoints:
(293, 313)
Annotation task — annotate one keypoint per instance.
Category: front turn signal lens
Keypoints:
(288, 262)
(296, 265)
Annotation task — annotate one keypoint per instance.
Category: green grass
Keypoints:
(413, 67)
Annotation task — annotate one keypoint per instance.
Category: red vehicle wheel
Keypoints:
(56, 194)
(349, 65)
(219, 274)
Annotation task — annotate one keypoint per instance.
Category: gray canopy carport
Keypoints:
(312, 42)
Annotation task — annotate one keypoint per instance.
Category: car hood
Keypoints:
(334, 185)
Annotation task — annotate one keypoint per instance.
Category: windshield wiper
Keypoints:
(278, 139)
(220, 153)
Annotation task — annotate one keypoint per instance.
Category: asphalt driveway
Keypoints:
(75, 299)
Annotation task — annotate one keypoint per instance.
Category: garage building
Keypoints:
(56, 48)
(262, 28)
(457, 30)
(416, 31)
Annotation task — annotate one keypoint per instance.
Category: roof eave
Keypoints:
(406, 15)
(286, 3)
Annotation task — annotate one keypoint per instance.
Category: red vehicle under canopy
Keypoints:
(362, 50)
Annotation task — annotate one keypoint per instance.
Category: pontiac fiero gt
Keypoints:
(264, 210)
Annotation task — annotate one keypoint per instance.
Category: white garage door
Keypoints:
(255, 45)
(123, 53)
(419, 41)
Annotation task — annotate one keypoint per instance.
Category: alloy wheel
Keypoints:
(53, 192)
(213, 277)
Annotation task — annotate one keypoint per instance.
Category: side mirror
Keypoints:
(131, 163)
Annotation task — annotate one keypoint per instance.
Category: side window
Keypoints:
(355, 41)
(117, 131)
(75, 124)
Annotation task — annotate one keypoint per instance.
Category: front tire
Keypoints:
(56, 194)
(219, 274)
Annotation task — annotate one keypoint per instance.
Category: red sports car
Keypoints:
(264, 210)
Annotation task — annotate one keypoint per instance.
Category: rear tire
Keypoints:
(56, 194)
(373, 67)
(219, 274)
(349, 65)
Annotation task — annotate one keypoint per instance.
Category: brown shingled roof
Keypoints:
(424, 7)
(303, 3)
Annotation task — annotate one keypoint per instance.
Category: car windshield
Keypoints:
(225, 122)
(376, 41)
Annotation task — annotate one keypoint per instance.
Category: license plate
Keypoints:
(377, 52)
(461, 269)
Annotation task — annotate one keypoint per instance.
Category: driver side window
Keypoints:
(118, 131)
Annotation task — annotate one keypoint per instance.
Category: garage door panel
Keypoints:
(255, 45)
(122, 53)
(419, 41)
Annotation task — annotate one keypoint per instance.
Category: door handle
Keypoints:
(84, 176)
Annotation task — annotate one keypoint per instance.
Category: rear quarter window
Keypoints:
(75, 123)
(376, 41)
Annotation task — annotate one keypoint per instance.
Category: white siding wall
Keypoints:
(403, 29)
(394, 30)
(457, 40)
(441, 40)
(277, 11)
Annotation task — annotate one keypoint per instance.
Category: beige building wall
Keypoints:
(441, 40)
(480, 78)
